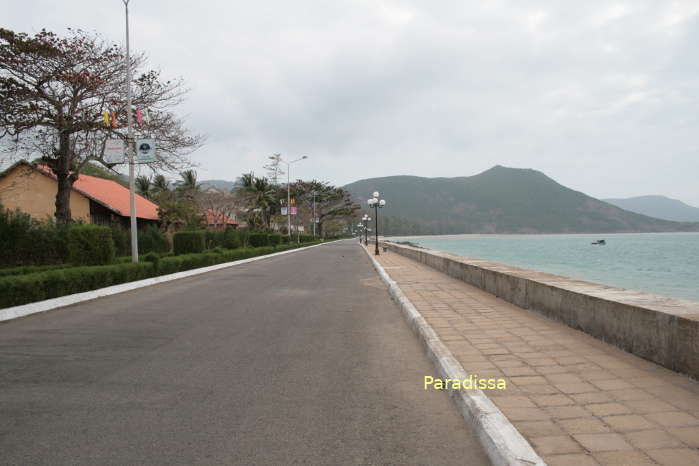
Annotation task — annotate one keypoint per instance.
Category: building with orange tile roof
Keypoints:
(32, 189)
(218, 220)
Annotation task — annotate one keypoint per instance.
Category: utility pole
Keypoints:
(130, 145)
(288, 187)
(314, 215)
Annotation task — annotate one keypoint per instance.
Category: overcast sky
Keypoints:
(600, 95)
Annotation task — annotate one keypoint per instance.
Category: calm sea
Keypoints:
(662, 263)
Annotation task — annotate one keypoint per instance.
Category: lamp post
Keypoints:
(129, 144)
(314, 215)
(376, 204)
(366, 219)
(288, 189)
(360, 225)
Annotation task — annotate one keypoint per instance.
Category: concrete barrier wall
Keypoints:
(662, 330)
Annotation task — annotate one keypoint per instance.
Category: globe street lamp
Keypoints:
(376, 204)
(360, 225)
(288, 189)
(366, 219)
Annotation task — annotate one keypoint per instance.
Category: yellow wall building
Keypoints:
(34, 193)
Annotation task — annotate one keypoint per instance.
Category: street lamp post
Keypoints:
(130, 143)
(376, 204)
(288, 190)
(314, 215)
(360, 225)
(366, 219)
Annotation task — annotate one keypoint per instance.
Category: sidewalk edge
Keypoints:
(502, 442)
(15, 312)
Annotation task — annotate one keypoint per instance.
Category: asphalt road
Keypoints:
(297, 359)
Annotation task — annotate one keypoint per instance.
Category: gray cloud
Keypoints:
(601, 96)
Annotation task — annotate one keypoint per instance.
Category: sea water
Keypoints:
(661, 263)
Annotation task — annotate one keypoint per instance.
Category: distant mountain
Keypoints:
(499, 200)
(658, 207)
(223, 185)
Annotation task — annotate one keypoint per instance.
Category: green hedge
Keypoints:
(90, 245)
(257, 240)
(16, 290)
(25, 269)
(274, 239)
(30, 287)
(214, 239)
(306, 238)
(189, 242)
(152, 239)
(25, 241)
(232, 239)
(122, 240)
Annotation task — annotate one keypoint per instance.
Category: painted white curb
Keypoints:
(15, 312)
(503, 444)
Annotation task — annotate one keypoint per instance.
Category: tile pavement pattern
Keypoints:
(577, 400)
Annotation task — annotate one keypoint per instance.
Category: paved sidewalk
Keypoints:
(577, 400)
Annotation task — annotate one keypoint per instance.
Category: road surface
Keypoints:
(296, 359)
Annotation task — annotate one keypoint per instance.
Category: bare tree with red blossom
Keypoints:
(53, 95)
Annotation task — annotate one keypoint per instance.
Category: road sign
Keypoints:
(114, 151)
(145, 150)
(293, 210)
(284, 209)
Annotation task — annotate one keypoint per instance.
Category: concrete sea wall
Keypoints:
(656, 328)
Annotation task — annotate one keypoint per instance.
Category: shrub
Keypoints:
(122, 240)
(306, 238)
(17, 290)
(151, 239)
(274, 239)
(23, 270)
(231, 239)
(90, 245)
(188, 242)
(244, 238)
(24, 241)
(257, 240)
(214, 239)
(154, 259)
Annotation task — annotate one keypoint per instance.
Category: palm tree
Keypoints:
(144, 186)
(260, 194)
(160, 184)
(188, 186)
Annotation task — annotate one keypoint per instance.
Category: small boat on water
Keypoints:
(599, 242)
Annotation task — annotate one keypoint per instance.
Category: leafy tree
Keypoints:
(98, 171)
(54, 90)
(332, 203)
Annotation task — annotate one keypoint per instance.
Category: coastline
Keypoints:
(654, 263)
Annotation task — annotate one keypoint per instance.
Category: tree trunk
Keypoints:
(65, 186)
(61, 168)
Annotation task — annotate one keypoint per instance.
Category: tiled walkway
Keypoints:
(577, 400)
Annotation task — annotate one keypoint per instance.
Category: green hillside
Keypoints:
(499, 200)
(658, 207)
